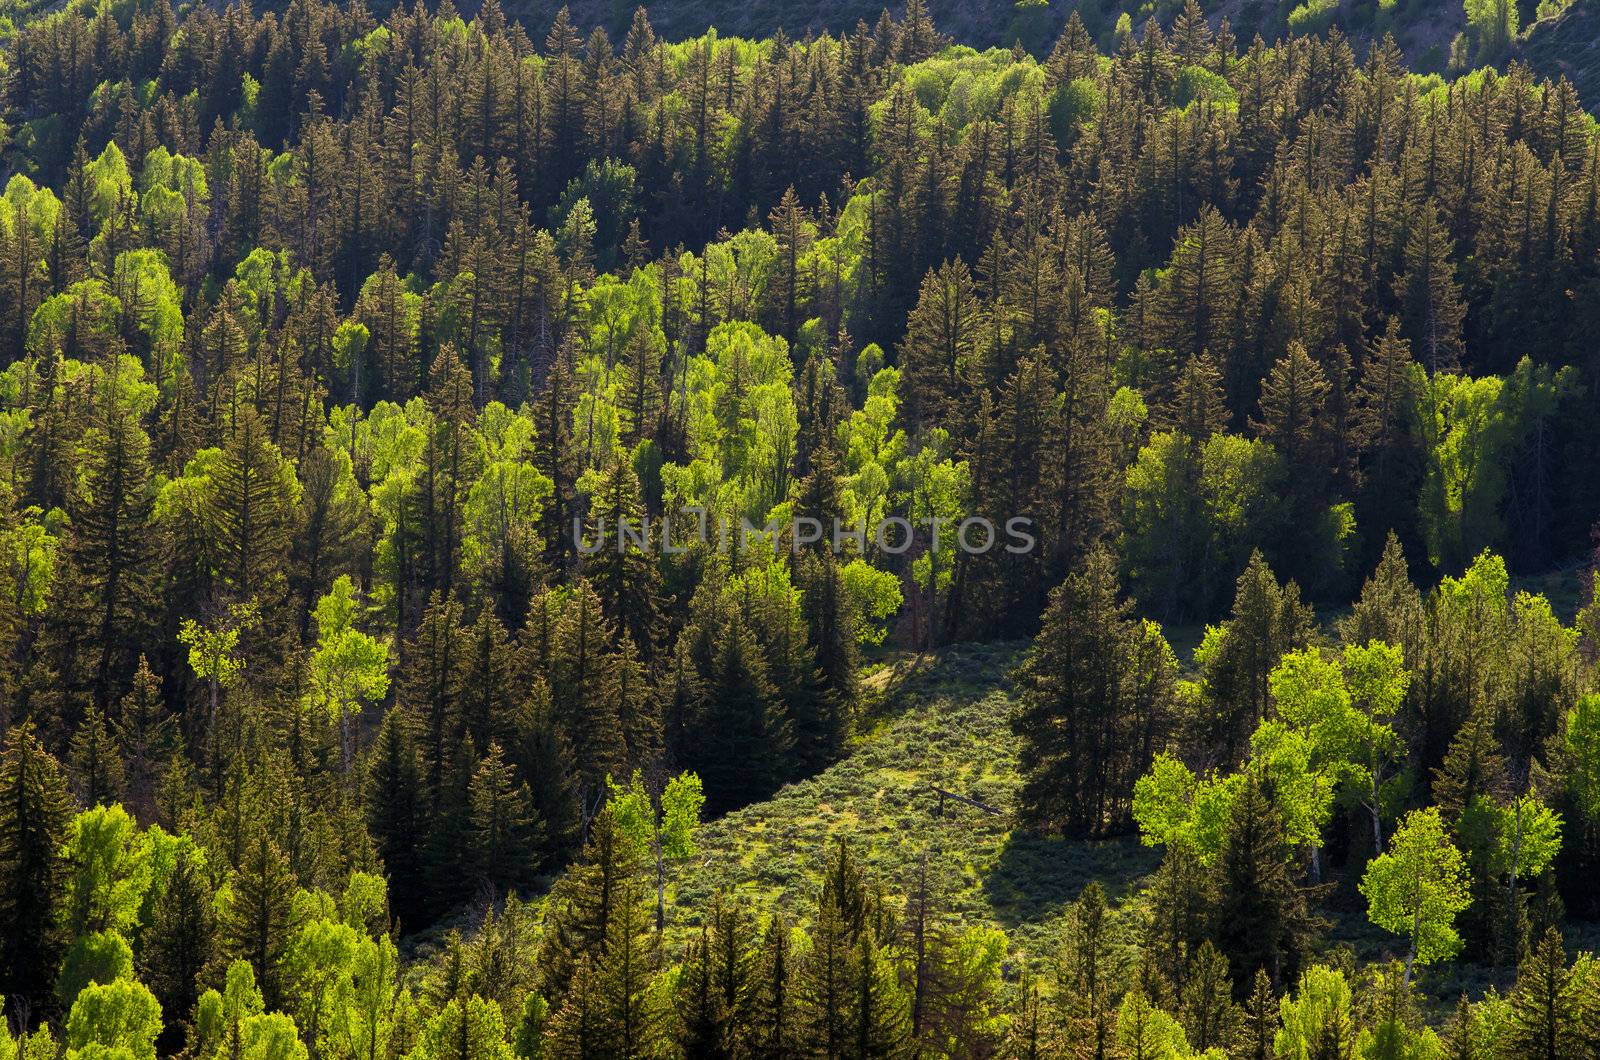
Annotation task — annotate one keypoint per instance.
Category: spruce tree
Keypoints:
(396, 812)
(34, 809)
(488, 699)
(1429, 295)
(181, 941)
(1095, 705)
(1383, 427)
(583, 904)
(623, 571)
(773, 1029)
(504, 831)
(250, 518)
(943, 351)
(585, 693)
(1545, 1020)
(107, 601)
(1262, 921)
(259, 918)
(432, 683)
(1268, 621)
(96, 761)
(1260, 1028)
(742, 752)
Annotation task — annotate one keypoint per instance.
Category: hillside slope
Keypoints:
(1568, 44)
(944, 725)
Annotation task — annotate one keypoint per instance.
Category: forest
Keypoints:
(360, 701)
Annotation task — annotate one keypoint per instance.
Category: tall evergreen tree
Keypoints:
(1096, 704)
(256, 924)
(33, 828)
(1262, 920)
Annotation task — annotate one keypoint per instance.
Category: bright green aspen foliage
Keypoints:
(214, 651)
(468, 1027)
(109, 873)
(372, 1006)
(1144, 1030)
(1521, 835)
(1173, 807)
(1395, 1029)
(30, 552)
(113, 1021)
(233, 1024)
(319, 962)
(874, 596)
(936, 484)
(1316, 1020)
(874, 446)
(1330, 727)
(1305, 747)
(1418, 887)
(662, 824)
(343, 970)
(39, 1045)
(98, 957)
(1377, 679)
(349, 668)
(1580, 753)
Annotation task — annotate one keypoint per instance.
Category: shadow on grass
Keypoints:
(1036, 879)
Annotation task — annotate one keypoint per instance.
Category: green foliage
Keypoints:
(1474, 427)
(349, 668)
(1317, 1019)
(666, 821)
(121, 1014)
(325, 343)
(1418, 887)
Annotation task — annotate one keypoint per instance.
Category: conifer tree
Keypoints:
(396, 808)
(1198, 292)
(943, 349)
(259, 918)
(1260, 1021)
(108, 597)
(181, 941)
(1262, 923)
(488, 700)
(146, 735)
(1095, 706)
(1198, 408)
(1088, 973)
(715, 993)
(504, 831)
(96, 761)
(1235, 660)
(1429, 295)
(1383, 424)
(1545, 1018)
(250, 517)
(773, 1029)
(585, 691)
(432, 683)
(33, 826)
(583, 904)
(623, 572)
(556, 458)
(642, 402)
(449, 822)
(746, 733)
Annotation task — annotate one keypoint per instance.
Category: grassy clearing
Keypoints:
(937, 723)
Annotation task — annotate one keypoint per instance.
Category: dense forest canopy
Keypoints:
(345, 714)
